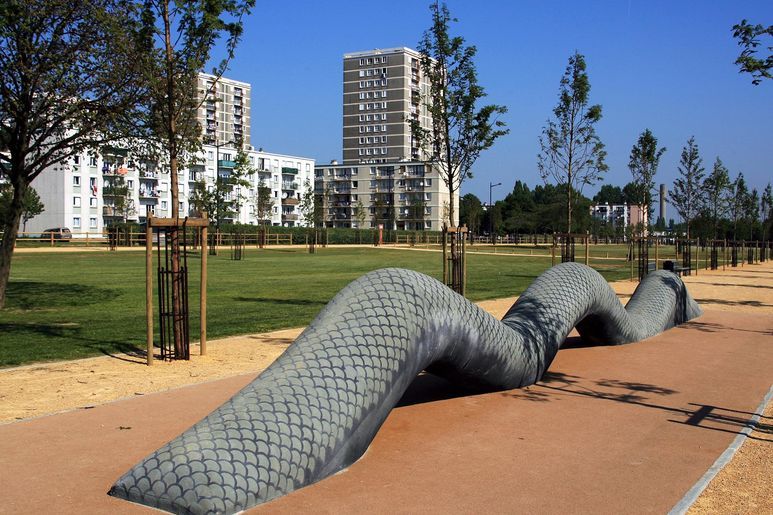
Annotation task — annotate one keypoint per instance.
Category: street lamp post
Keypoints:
(491, 186)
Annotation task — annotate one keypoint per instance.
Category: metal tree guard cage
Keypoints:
(171, 282)
(643, 249)
(687, 257)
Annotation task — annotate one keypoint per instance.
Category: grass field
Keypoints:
(79, 304)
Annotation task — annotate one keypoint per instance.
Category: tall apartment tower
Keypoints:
(225, 113)
(382, 93)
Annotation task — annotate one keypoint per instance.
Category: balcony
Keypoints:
(290, 217)
(290, 186)
(110, 211)
(226, 164)
(289, 171)
(290, 201)
(148, 194)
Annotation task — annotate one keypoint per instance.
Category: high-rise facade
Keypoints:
(224, 114)
(382, 91)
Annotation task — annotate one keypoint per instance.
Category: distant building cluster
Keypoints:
(383, 179)
(620, 215)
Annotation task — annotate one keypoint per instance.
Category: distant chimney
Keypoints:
(663, 202)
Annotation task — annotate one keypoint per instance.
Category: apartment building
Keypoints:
(93, 191)
(382, 91)
(224, 113)
(620, 215)
(407, 195)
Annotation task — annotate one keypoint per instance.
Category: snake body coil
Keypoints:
(315, 410)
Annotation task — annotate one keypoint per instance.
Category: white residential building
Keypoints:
(620, 215)
(407, 195)
(91, 192)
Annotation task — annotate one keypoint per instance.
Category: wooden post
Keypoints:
(587, 249)
(52, 238)
(149, 287)
(203, 290)
(445, 258)
(633, 257)
(553, 252)
(657, 249)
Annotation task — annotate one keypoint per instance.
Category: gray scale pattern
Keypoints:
(315, 410)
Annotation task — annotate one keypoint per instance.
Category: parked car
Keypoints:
(59, 233)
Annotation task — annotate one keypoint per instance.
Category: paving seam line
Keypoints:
(693, 493)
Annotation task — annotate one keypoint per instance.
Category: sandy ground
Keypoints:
(744, 486)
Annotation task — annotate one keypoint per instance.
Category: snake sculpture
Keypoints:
(315, 410)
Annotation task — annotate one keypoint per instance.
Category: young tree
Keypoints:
(223, 198)
(766, 208)
(359, 214)
(459, 130)
(571, 152)
(66, 84)
(308, 205)
(686, 195)
(748, 39)
(31, 205)
(715, 194)
(751, 211)
(736, 199)
(176, 38)
(263, 203)
(643, 164)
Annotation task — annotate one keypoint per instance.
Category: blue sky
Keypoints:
(663, 65)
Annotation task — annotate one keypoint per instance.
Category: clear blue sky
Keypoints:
(663, 65)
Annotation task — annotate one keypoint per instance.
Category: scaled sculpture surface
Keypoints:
(315, 410)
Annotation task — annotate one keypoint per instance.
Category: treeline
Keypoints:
(719, 208)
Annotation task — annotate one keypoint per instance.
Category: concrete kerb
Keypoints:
(693, 493)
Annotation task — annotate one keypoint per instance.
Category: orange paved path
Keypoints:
(611, 430)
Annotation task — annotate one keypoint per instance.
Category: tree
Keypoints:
(766, 206)
(66, 85)
(308, 205)
(263, 203)
(359, 216)
(751, 211)
(715, 194)
(415, 210)
(609, 194)
(176, 38)
(643, 164)
(459, 131)
(686, 194)
(570, 151)
(223, 198)
(748, 39)
(31, 205)
(471, 212)
(736, 199)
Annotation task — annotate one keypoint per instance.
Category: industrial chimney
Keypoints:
(663, 202)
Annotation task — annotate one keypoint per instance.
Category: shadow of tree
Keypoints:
(290, 302)
(723, 302)
(29, 295)
(556, 384)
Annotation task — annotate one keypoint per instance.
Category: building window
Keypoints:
(76, 180)
(76, 202)
(163, 204)
(92, 223)
(362, 140)
(76, 222)
(362, 73)
(362, 117)
(429, 182)
(362, 107)
(93, 161)
(383, 127)
(77, 159)
(93, 202)
(362, 62)
(130, 184)
(362, 128)
(383, 139)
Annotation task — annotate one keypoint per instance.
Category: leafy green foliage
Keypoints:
(570, 151)
(459, 130)
(609, 194)
(471, 212)
(31, 205)
(748, 39)
(643, 164)
(715, 190)
(67, 84)
(686, 196)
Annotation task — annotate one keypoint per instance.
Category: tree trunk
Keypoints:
(177, 315)
(569, 208)
(10, 232)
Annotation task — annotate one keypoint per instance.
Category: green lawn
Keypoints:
(74, 305)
